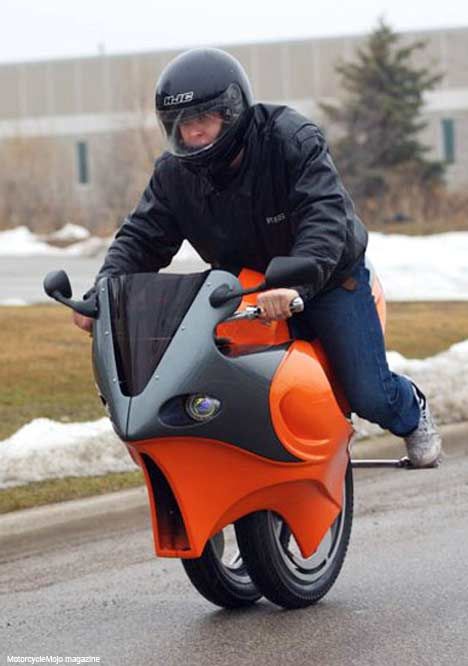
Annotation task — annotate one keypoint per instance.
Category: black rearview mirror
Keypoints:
(281, 272)
(57, 286)
(57, 281)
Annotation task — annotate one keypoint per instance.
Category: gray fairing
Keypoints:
(193, 364)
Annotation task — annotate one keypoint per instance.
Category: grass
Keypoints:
(58, 490)
(420, 228)
(45, 370)
(419, 330)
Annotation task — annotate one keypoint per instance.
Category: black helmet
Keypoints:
(203, 85)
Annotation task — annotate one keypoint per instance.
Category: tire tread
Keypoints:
(268, 571)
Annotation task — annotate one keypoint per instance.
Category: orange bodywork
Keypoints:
(215, 483)
(198, 486)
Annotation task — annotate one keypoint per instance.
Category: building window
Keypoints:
(83, 164)
(448, 139)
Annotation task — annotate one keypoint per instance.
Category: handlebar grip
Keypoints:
(297, 305)
(254, 312)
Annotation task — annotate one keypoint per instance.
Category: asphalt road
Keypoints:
(93, 588)
(21, 277)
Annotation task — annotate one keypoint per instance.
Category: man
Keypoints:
(245, 183)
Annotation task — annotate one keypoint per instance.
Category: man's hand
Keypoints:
(85, 323)
(275, 304)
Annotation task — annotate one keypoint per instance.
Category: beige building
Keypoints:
(94, 113)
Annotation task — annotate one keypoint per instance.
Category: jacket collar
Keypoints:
(241, 183)
(242, 180)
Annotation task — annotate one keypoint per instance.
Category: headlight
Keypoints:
(202, 407)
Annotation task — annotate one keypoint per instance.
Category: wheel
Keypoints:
(220, 574)
(275, 563)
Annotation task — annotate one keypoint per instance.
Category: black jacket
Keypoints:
(286, 199)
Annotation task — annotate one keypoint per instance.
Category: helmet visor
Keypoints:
(193, 129)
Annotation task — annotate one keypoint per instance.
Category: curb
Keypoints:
(388, 445)
(54, 516)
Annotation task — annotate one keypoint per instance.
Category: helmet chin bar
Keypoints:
(216, 159)
(200, 150)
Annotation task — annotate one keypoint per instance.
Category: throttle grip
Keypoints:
(297, 305)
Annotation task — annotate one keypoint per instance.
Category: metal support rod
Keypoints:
(400, 463)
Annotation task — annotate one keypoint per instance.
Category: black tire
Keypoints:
(225, 584)
(283, 576)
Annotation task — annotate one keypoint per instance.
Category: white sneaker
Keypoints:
(424, 445)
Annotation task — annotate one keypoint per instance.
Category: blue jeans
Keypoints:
(348, 327)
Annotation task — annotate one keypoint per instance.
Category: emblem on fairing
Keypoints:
(180, 98)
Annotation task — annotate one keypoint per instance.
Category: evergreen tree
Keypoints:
(380, 117)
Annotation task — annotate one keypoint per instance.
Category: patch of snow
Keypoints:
(186, 253)
(21, 242)
(13, 301)
(442, 378)
(421, 268)
(87, 248)
(45, 449)
(69, 232)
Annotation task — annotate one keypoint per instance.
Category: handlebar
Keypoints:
(57, 286)
(254, 312)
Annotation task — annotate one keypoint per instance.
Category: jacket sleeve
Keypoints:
(319, 207)
(148, 238)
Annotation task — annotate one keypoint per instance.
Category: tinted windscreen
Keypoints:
(146, 311)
